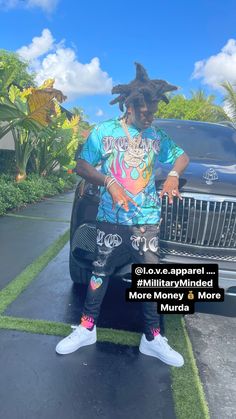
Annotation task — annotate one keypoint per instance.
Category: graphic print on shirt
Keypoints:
(131, 162)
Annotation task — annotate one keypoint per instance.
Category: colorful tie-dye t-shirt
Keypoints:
(132, 165)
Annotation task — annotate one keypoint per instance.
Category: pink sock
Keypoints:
(87, 321)
(155, 332)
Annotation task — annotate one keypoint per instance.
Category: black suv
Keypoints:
(201, 228)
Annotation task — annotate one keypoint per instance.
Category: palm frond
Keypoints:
(230, 100)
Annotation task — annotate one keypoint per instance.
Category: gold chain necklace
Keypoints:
(134, 155)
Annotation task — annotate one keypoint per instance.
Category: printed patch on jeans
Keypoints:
(95, 282)
(109, 240)
(152, 244)
(136, 241)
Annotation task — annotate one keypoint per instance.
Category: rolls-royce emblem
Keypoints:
(210, 175)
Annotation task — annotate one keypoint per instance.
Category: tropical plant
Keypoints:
(201, 96)
(19, 69)
(25, 141)
(26, 113)
(230, 101)
(30, 108)
(84, 126)
(56, 144)
(199, 107)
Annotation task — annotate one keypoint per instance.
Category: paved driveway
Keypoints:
(214, 344)
(105, 380)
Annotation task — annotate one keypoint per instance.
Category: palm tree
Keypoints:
(230, 101)
(201, 96)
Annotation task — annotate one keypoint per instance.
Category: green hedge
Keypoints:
(14, 195)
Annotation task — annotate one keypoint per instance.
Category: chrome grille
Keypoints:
(203, 220)
(223, 257)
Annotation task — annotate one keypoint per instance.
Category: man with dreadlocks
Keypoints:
(128, 219)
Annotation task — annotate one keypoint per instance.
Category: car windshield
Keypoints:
(201, 140)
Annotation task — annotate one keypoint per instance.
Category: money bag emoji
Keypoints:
(190, 295)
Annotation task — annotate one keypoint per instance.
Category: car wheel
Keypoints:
(77, 274)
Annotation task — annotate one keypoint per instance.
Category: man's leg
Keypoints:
(145, 245)
(144, 242)
(110, 248)
(96, 289)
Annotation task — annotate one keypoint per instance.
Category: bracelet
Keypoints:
(111, 181)
(173, 173)
(105, 180)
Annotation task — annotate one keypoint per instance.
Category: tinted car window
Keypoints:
(202, 140)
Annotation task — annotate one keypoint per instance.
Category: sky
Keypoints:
(88, 47)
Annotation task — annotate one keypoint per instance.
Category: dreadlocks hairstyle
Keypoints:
(141, 90)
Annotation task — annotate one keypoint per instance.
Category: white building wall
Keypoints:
(7, 142)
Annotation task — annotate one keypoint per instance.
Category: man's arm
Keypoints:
(89, 173)
(92, 175)
(181, 163)
(172, 182)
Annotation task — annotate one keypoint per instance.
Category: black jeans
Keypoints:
(114, 243)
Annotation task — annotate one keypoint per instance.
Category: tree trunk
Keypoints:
(20, 176)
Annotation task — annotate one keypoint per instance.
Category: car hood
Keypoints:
(203, 177)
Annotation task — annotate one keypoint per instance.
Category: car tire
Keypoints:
(78, 275)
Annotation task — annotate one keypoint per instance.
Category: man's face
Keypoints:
(142, 116)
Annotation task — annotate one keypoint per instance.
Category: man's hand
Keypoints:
(120, 197)
(171, 187)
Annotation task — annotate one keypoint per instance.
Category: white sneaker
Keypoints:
(78, 338)
(159, 348)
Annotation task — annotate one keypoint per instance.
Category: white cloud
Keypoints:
(99, 112)
(218, 68)
(72, 77)
(39, 46)
(46, 5)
